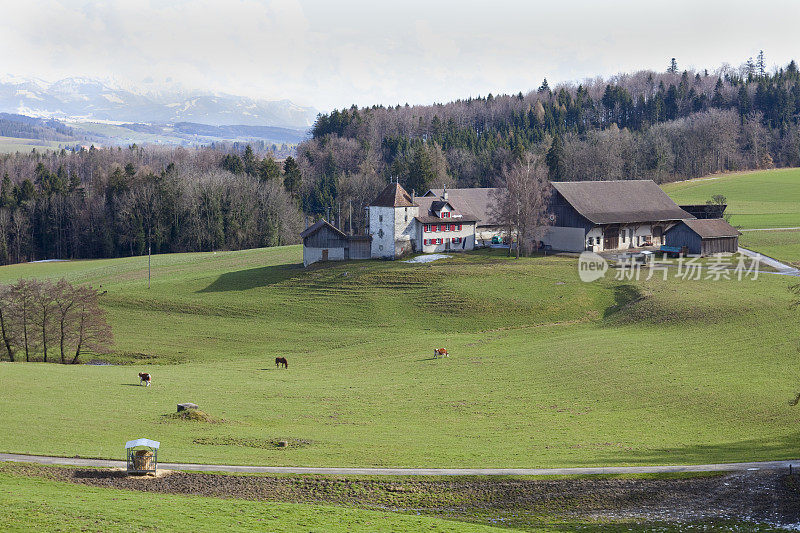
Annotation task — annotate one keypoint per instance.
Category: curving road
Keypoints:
(719, 467)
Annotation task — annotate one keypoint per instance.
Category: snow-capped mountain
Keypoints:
(95, 100)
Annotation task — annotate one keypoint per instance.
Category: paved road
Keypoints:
(772, 229)
(721, 467)
(782, 268)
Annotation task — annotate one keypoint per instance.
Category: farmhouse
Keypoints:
(401, 223)
(610, 215)
(477, 202)
(325, 242)
(704, 236)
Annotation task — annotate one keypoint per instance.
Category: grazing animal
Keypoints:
(440, 352)
(145, 378)
(281, 361)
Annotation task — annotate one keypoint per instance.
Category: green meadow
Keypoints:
(782, 245)
(545, 370)
(761, 199)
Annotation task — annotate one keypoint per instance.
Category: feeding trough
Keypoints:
(142, 456)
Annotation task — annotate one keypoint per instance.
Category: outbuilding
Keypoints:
(325, 242)
(704, 236)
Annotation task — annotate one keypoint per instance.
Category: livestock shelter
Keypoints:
(610, 215)
(325, 242)
(705, 236)
(142, 456)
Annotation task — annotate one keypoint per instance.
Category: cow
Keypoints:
(145, 378)
(281, 361)
(440, 352)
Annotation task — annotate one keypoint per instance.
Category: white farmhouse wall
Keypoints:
(313, 255)
(381, 228)
(467, 233)
(405, 230)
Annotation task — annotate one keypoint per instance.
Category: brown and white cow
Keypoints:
(145, 378)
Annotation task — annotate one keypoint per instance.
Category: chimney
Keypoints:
(444, 193)
(413, 196)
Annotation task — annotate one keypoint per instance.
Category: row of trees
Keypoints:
(41, 317)
(118, 202)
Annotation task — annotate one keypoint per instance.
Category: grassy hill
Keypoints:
(545, 370)
(763, 199)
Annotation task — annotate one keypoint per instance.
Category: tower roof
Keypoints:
(393, 196)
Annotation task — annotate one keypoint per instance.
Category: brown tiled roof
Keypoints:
(709, 228)
(393, 195)
(620, 202)
(318, 226)
(477, 201)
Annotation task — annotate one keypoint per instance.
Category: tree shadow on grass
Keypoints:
(767, 448)
(252, 278)
(623, 295)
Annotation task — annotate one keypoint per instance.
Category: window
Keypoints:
(380, 233)
(459, 227)
(406, 218)
(436, 228)
(380, 218)
(445, 227)
(456, 240)
(590, 241)
(424, 242)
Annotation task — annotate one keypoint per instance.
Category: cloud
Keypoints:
(333, 54)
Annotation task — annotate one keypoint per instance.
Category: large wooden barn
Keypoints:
(325, 242)
(704, 236)
(610, 215)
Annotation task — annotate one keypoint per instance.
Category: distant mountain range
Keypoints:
(87, 99)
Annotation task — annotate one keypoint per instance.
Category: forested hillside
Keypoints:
(648, 125)
(114, 202)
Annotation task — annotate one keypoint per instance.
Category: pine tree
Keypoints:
(555, 159)
(673, 66)
(761, 64)
(291, 176)
(544, 86)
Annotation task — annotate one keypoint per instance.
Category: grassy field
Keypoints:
(763, 199)
(545, 370)
(14, 144)
(29, 504)
(782, 245)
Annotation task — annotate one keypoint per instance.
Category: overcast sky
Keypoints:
(335, 53)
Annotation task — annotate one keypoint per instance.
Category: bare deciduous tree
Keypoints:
(523, 201)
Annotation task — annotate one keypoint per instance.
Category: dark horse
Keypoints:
(281, 361)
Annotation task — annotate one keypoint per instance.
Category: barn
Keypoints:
(704, 236)
(325, 242)
(610, 215)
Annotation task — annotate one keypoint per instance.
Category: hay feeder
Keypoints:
(142, 456)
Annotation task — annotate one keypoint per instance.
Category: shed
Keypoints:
(142, 456)
(325, 242)
(705, 236)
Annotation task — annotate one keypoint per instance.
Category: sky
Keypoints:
(331, 54)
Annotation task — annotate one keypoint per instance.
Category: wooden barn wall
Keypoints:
(359, 249)
(681, 235)
(720, 245)
(325, 238)
(566, 215)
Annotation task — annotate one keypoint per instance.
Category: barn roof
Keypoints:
(393, 195)
(477, 201)
(620, 202)
(710, 228)
(318, 226)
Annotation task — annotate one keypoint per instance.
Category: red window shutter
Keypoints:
(459, 227)
(452, 227)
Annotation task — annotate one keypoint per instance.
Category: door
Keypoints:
(325, 255)
(611, 238)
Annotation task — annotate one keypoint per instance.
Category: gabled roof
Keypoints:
(437, 205)
(477, 201)
(318, 226)
(620, 202)
(709, 228)
(142, 442)
(464, 219)
(393, 195)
